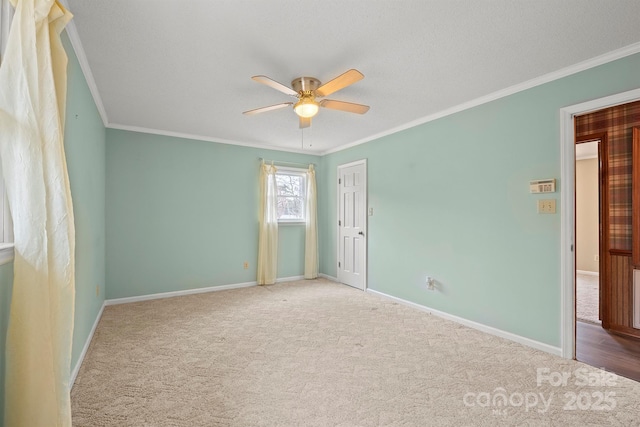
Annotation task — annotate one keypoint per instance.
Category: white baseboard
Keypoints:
(289, 279)
(171, 294)
(161, 295)
(76, 368)
(326, 276)
(475, 325)
(587, 273)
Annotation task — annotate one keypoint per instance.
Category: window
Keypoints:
(292, 188)
(6, 13)
(6, 226)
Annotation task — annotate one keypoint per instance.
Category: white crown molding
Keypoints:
(555, 75)
(74, 37)
(207, 139)
(475, 325)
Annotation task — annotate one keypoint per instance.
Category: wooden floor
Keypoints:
(602, 349)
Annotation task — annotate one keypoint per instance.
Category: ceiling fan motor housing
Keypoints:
(305, 84)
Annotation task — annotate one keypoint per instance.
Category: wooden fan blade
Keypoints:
(274, 84)
(344, 106)
(269, 108)
(340, 82)
(305, 122)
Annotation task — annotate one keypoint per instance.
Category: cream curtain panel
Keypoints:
(311, 234)
(32, 105)
(268, 237)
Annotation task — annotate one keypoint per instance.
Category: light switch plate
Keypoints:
(547, 206)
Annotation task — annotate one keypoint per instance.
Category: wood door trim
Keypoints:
(635, 198)
(591, 137)
(624, 330)
(620, 252)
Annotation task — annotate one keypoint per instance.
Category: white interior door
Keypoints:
(352, 224)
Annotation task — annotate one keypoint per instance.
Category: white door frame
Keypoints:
(567, 192)
(366, 215)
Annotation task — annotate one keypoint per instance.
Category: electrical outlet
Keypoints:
(246, 265)
(97, 290)
(547, 206)
(596, 257)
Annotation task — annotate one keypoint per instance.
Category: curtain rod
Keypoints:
(286, 163)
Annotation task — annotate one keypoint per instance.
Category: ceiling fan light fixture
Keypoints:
(307, 107)
(306, 89)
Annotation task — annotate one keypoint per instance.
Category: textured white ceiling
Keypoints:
(185, 67)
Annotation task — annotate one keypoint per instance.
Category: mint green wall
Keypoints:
(290, 250)
(183, 214)
(451, 200)
(6, 282)
(85, 151)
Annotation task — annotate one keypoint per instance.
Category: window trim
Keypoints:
(6, 253)
(6, 14)
(6, 225)
(299, 172)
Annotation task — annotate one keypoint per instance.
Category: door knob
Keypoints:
(361, 233)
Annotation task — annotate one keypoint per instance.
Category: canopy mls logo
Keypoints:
(499, 401)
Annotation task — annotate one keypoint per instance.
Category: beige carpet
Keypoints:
(587, 298)
(315, 353)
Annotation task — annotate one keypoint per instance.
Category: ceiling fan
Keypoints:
(307, 89)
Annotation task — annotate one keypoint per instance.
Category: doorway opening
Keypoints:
(567, 190)
(588, 231)
(609, 340)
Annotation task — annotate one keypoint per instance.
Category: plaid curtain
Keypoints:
(617, 122)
